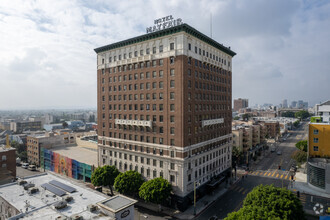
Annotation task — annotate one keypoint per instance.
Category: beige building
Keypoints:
(164, 107)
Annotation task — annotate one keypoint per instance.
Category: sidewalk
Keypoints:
(201, 205)
(302, 186)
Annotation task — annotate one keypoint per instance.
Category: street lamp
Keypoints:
(195, 196)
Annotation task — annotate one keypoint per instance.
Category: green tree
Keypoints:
(20, 150)
(236, 118)
(65, 124)
(105, 176)
(269, 202)
(296, 123)
(129, 183)
(156, 190)
(288, 114)
(299, 156)
(237, 154)
(302, 114)
(245, 117)
(302, 145)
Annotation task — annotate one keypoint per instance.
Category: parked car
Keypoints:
(18, 161)
(32, 167)
(25, 165)
(279, 152)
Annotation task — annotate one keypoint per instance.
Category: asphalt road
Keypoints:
(265, 172)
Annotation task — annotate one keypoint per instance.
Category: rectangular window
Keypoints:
(172, 83)
(154, 50)
(172, 178)
(172, 108)
(189, 46)
(316, 148)
(171, 46)
(172, 95)
(316, 131)
(172, 72)
(316, 140)
(160, 48)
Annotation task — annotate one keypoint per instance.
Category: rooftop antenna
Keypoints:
(211, 24)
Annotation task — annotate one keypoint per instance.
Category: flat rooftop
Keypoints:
(81, 154)
(41, 204)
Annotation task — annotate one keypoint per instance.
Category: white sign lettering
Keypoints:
(163, 23)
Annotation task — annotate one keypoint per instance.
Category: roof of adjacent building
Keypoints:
(183, 27)
(40, 205)
(117, 203)
(81, 154)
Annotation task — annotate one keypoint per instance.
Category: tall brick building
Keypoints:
(164, 108)
(240, 103)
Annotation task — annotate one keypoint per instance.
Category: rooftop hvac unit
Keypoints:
(29, 185)
(68, 198)
(92, 208)
(33, 190)
(76, 217)
(60, 204)
(61, 218)
(21, 182)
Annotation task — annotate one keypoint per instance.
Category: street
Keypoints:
(266, 172)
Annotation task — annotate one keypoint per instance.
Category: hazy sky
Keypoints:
(47, 57)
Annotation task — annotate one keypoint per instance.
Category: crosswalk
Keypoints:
(302, 199)
(240, 189)
(277, 174)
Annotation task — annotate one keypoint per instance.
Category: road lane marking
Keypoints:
(273, 173)
(277, 175)
(287, 177)
(256, 173)
(269, 173)
(265, 173)
(281, 176)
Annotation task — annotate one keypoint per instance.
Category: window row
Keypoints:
(140, 107)
(209, 55)
(137, 76)
(137, 53)
(140, 86)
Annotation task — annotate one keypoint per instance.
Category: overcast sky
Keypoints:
(47, 58)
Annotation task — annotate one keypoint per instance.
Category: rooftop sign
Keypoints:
(163, 23)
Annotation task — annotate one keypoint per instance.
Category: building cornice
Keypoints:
(183, 27)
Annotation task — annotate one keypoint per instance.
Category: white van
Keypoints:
(25, 165)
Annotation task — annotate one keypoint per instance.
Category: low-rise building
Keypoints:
(21, 126)
(7, 164)
(318, 169)
(323, 110)
(49, 196)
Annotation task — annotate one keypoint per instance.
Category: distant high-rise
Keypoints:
(300, 104)
(284, 103)
(293, 104)
(240, 103)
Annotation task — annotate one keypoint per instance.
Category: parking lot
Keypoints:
(21, 172)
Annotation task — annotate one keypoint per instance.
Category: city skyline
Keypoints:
(47, 56)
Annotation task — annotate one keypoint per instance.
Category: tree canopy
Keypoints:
(302, 114)
(155, 190)
(105, 176)
(269, 202)
(129, 182)
(299, 156)
(288, 114)
(302, 145)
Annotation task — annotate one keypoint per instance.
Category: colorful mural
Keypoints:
(63, 165)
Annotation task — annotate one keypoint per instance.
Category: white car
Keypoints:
(25, 165)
